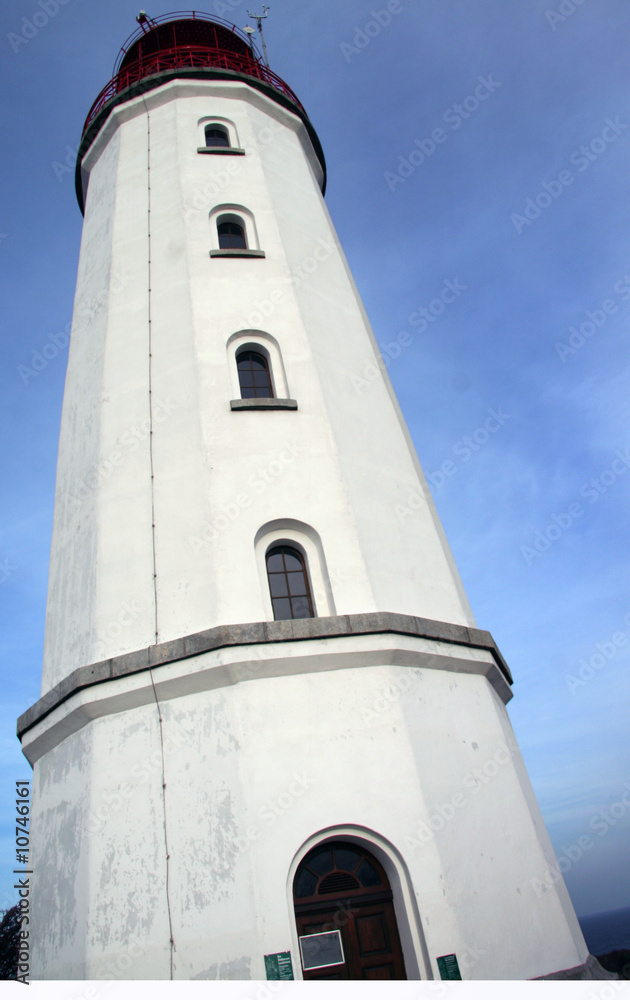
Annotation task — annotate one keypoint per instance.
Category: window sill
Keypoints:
(221, 150)
(237, 253)
(262, 403)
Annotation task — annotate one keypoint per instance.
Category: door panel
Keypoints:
(369, 937)
(381, 972)
(372, 934)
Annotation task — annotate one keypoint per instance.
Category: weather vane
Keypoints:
(258, 18)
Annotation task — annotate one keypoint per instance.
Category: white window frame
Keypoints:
(304, 538)
(265, 344)
(233, 213)
(225, 123)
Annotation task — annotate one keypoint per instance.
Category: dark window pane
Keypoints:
(300, 607)
(216, 137)
(231, 236)
(306, 884)
(346, 860)
(297, 586)
(281, 609)
(274, 562)
(292, 562)
(296, 583)
(249, 359)
(278, 585)
(248, 392)
(321, 863)
(254, 370)
(367, 874)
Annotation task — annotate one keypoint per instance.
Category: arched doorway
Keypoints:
(345, 915)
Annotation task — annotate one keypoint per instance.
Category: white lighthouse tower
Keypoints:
(271, 741)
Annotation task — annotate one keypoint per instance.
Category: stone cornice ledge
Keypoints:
(251, 634)
(263, 403)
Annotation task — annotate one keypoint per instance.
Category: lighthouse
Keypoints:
(272, 742)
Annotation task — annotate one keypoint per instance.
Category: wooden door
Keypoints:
(364, 915)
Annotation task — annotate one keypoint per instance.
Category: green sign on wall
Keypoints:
(449, 969)
(279, 966)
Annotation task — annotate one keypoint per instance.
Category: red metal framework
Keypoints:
(186, 40)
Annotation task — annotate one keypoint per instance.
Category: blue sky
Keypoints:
(443, 129)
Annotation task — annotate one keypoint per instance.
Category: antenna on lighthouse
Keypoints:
(258, 18)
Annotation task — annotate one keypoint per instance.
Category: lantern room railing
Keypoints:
(187, 57)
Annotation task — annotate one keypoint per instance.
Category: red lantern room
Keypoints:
(184, 44)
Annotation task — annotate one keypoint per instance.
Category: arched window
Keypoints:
(288, 584)
(254, 376)
(345, 915)
(231, 236)
(216, 135)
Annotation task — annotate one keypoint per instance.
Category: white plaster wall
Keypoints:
(345, 458)
(59, 856)
(252, 772)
